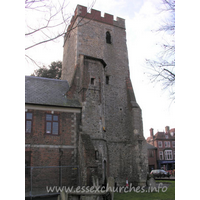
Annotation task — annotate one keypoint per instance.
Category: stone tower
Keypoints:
(95, 63)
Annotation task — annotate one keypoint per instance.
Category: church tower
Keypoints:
(95, 63)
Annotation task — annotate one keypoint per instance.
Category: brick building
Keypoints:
(165, 143)
(152, 156)
(91, 117)
(51, 127)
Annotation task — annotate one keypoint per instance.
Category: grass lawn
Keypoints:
(168, 194)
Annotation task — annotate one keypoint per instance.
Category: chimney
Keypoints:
(166, 129)
(151, 132)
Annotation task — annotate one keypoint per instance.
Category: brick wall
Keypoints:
(163, 148)
(52, 150)
(152, 158)
(167, 136)
(38, 135)
(96, 16)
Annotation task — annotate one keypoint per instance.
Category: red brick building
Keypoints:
(152, 156)
(165, 143)
(51, 128)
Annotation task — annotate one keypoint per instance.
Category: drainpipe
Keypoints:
(60, 169)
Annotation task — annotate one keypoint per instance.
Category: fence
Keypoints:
(38, 178)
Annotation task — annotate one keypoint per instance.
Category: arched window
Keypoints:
(108, 37)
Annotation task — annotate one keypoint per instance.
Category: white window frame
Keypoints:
(167, 143)
(160, 142)
(161, 154)
(168, 155)
(173, 144)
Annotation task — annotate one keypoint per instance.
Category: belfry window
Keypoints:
(108, 37)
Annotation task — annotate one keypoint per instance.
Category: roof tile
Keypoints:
(46, 91)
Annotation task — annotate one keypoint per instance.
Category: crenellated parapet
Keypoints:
(81, 11)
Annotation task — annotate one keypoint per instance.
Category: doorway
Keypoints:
(104, 173)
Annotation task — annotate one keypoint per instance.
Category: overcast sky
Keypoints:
(141, 17)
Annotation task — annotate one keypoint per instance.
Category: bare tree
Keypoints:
(52, 18)
(162, 69)
(46, 21)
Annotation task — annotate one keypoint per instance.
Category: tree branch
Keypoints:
(172, 74)
(51, 22)
(45, 41)
(32, 60)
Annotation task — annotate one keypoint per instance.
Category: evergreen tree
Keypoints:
(52, 71)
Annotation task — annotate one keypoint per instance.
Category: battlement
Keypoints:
(96, 15)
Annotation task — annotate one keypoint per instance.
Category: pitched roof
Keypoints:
(46, 91)
(149, 146)
(160, 135)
